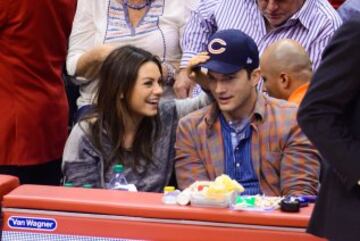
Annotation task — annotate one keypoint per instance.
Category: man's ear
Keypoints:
(285, 80)
(255, 77)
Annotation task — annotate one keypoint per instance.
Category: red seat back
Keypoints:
(336, 3)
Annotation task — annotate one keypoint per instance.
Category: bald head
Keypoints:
(285, 59)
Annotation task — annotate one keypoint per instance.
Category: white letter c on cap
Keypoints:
(219, 50)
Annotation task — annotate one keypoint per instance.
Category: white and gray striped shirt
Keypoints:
(312, 26)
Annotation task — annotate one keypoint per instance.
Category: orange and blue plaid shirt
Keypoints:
(285, 161)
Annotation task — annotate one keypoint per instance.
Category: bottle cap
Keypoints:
(87, 185)
(118, 168)
(169, 189)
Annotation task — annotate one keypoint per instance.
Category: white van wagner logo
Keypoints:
(31, 223)
(220, 50)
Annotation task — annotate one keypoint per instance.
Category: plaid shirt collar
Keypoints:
(259, 113)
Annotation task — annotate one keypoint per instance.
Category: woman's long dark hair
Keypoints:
(117, 78)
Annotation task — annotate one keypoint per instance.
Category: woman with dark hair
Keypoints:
(129, 125)
(100, 26)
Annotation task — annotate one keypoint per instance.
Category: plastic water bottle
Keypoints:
(118, 180)
(170, 194)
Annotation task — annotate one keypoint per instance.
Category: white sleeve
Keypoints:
(82, 36)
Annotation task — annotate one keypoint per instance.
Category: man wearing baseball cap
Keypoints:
(253, 138)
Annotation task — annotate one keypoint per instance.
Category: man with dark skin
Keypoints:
(286, 70)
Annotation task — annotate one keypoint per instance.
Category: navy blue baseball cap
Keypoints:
(230, 51)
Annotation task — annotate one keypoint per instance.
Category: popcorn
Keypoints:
(222, 185)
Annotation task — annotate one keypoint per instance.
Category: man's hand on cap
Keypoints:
(194, 71)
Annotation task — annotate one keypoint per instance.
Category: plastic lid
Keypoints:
(118, 168)
(87, 185)
(68, 184)
(169, 188)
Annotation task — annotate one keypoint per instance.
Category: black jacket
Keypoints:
(330, 117)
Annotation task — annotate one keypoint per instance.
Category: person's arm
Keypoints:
(81, 162)
(89, 63)
(83, 60)
(300, 165)
(185, 106)
(182, 85)
(188, 105)
(197, 31)
(324, 114)
(188, 165)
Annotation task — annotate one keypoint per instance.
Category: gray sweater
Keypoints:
(84, 164)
